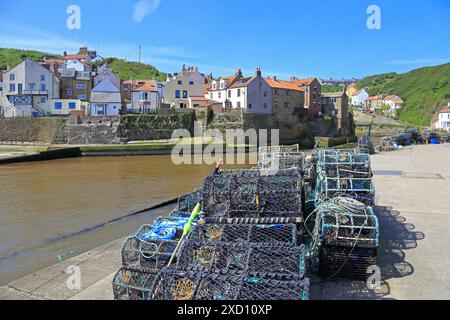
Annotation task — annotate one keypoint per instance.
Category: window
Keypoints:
(12, 87)
(101, 109)
(239, 92)
(80, 86)
(191, 83)
(177, 94)
(12, 77)
(220, 95)
(83, 107)
(276, 92)
(249, 105)
(43, 87)
(185, 94)
(265, 93)
(239, 104)
(58, 105)
(288, 92)
(265, 105)
(211, 95)
(72, 105)
(229, 93)
(180, 82)
(32, 86)
(42, 77)
(69, 92)
(43, 99)
(82, 97)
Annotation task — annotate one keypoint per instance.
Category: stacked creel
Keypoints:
(346, 229)
(150, 249)
(344, 173)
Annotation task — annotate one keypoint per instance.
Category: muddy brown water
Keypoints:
(45, 205)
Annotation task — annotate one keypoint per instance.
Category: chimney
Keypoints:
(258, 72)
(83, 50)
(239, 73)
(8, 67)
(275, 78)
(65, 53)
(294, 78)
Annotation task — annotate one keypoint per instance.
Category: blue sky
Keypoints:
(327, 38)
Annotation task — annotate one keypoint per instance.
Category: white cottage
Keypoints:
(359, 98)
(27, 89)
(106, 99)
(444, 119)
(144, 99)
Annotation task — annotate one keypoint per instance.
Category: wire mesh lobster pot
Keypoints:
(187, 202)
(273, 289)
(132, 284)
(147, 254)
(248, 193)
(178, 286)
(281, 160)
(360, 189)
(245, 234)
(181, 286)
(349, 229)
(239, 258)
(346, 262)
(279, 149)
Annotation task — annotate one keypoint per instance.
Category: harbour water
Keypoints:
(56, 209)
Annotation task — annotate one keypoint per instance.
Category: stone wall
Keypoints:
(93, 130)
(154, 126)
(29, 130)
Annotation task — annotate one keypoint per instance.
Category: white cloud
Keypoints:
(143, 8)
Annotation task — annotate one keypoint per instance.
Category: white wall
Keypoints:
(153, 97)
(360, 99)
(111, 109)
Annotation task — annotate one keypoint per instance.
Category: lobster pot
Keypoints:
(182, 286)
(213, 257)
(237, 194)
(276, 234)
(187, 202)
(360, 189)
(279, 149)
(147, 254)
(283, 260)
(273, 289)
(243, 259)
(281, 160)
(178, 286)
(218, 287)
(130, 284)
(146, 229)
(343, 262)
(349, 229)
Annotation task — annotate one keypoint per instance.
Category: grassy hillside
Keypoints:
(332, 88)
(424, 91)
(135, 70)
(13, 57)
(124, 69)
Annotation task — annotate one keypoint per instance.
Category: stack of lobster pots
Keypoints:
(346, 230)
(247, 243)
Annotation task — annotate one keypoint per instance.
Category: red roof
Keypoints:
(145, 88)
(281, 84)
(75, 57)
(445, 110)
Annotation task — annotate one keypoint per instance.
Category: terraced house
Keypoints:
(249, 94)
(181, 86)
(27, 89)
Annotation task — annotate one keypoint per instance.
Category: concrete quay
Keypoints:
(413, 188)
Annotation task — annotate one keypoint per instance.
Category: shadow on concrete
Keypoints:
(396, 237)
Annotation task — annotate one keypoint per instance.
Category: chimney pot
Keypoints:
(274, 78)
(258, 72)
